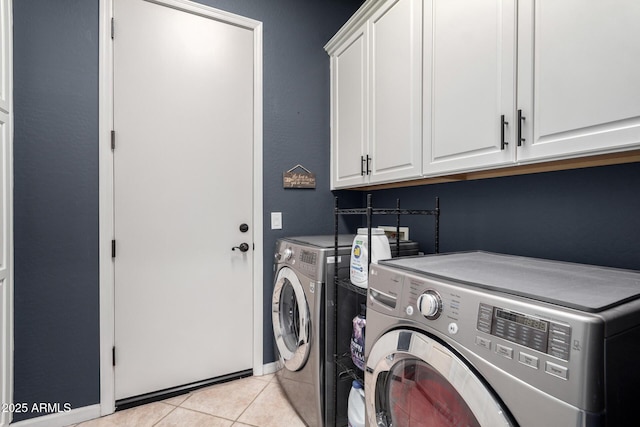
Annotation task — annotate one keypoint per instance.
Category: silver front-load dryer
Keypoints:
(481, 339)
(301, 269)
(296, 299)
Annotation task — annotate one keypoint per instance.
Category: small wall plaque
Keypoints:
(298, 177)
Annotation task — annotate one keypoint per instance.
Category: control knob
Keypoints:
(284, 256)
(430, 304)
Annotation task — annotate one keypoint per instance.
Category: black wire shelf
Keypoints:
(345, 368)
(346, 283)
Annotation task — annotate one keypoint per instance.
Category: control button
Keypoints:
(483, 342)
(561, 329)
(504, 351)
(453, 328)
(528, 360)
(484, 326)
(485, 316)
(557, 370)
(409, 310)
(560, 353)
(288, 253)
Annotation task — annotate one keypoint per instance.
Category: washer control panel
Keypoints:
(303, 259)
(539, 334)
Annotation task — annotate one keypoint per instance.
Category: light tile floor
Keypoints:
(253, 401)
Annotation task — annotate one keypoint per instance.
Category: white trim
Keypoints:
(270, 368)
(6, 334)
(361, 15)
(210, 12)
(105, 165)
(258, 241)
(107, 389)
(62, 419)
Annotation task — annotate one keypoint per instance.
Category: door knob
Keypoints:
(244, 247)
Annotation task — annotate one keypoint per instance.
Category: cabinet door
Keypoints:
(396, 82)
(578, 77)
(472, 48)
(349, 112)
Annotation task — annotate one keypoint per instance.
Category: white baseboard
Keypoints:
(270, 368)
(62, 419)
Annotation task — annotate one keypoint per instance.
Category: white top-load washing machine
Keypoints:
(303, 314)
(482, 339)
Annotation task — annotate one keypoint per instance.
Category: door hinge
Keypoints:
(112, 28)
(113, 355)
(113, 139)
(113, 249)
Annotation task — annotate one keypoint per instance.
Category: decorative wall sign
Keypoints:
(298, 177)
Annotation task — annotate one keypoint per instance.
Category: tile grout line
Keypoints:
(174, 407)
(218, 416)
(206, 413)
(200, 412)
(251, 403)
(167, 414)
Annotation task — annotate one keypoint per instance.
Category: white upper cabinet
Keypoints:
(395, 143)
(349, 111)
(376, 102)
(470, 93)
(440, 87)
(578, 77)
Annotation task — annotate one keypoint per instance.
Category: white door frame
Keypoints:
(107, 389)
(6, 309)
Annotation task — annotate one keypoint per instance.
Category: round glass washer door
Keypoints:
(291, 320)
(412, 380)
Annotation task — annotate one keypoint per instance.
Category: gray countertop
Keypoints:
(582, 287)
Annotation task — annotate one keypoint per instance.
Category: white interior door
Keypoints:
(183, 185)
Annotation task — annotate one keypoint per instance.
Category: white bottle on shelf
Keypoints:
(361, 250)
(355, 411)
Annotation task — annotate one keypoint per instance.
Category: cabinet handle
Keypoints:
(521, 119)
(503, 123)
(361, 165)
(368, 169)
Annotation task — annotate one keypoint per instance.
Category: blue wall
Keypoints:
(56, 202)
(585, 215)
(56, 173)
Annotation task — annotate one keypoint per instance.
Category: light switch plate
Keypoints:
(276, 220)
